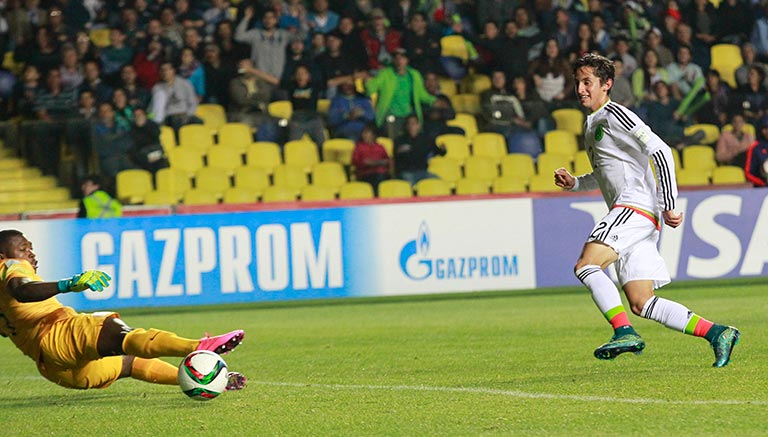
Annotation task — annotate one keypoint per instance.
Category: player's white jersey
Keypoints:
(620, 147)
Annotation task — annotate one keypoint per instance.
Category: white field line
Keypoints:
(510, 393)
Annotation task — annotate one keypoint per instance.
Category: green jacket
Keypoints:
(100, 205)
(385, 82)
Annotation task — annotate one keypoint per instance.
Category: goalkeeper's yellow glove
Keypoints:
(89, 279)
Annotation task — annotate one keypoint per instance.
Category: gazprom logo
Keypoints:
(416, 263)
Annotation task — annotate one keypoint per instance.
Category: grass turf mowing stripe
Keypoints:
(509, 393)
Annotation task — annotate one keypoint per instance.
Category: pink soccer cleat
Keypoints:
(221, 344)
(236, 381)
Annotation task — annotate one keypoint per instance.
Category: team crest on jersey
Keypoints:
(599, 132)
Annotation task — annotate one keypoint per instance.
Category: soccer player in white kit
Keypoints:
(621, 148)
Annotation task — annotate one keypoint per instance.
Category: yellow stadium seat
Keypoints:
(728, 174)
(542, 183)
(432, 187)
(456, 146)
(35, 183)
(547, 163)
(213, 115)
(475, 83)
(688, 177)
(489, 144)
(167, 138)
(323, 105)
(237, 195)
(212, 180)
(455, 46)
(356, 190)
(301, 153)
(395, 189)
(225, 159)
(561, 142)
(100, 37)
(186, 160)
(700, 158)
(159, 197)
(172, 181)
(132, 185)
(581, 163)
(235, 136)
(467, 103)
(263, 154)
(447, 86)
(676, 158)
(726, 58)
(277, 193)
(50, 205)
(329, 174)
(481, 168)
(19, 173)
(197, 137)
(388, 144)
(711, 132)
(10, 64)
(468, 122)
(471, 186)
(200, 197)
(252, 179)
(338, 150)
(518, 165)
(291, 177)
(748, 128)
(317, 193)
(11, 163)
(282, 109)
(509, 185)
(55, 194)
(569, 119)
(445, 168)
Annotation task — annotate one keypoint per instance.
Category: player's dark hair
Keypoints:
(5, 237)
(601, 66)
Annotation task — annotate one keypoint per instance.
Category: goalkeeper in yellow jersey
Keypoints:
(79, 350)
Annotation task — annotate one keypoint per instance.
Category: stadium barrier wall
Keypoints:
(379, 249)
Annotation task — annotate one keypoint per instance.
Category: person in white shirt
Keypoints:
(622, 148)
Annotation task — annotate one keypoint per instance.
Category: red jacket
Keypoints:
(369, 151)
(392, 41)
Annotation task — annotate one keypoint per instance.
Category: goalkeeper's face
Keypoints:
(19, 247)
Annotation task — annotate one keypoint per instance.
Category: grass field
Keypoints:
(500, 363)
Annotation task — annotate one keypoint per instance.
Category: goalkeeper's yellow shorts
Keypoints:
(68, 354)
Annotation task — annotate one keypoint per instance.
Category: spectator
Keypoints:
(112, 144)
(268, 44)
(84, 47)
(191, 69)
(321, 19)
(662, 112)
(585, 43)
(218, 12)
(171, 30)
(732, 145)
(86, 107)
(756, 168)
(303, 93)
(621, 91)
(96, 203)
(601, 35)
(653, 41)
(123, 109)
(436, 119)
(297, 55)
(353, 43)
(57, 25)
(565, 30)
(497, 11)
(489, 47)
(702, 18)
(529, 29)
(249, 93)
(715, 104)
(217, 76)
(333, 65)
(734, 22)
(501, 112)
(370, 159)
(752, 98)
(231, 51)
(147, 64)
(114, 56)
(292, 16)
(174, 101)
(316, 44)
(699, 50)
(432, 84)
(129, 22)
(748, 57)
(412, 151)
(622, 51)
(194, 41)
(551, 76)
(71, 70)
(349, 112)
(25, 93)
(43, 51)
(683, 75)
(401, 93)
(146, 151)
(759, 35)
(421, 44)
(646, 76)
(92, 81)
(534, 108)
(187, 16)
(55, 103)
(380, 41)
(137, 96)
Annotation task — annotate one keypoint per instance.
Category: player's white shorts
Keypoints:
(634, 237)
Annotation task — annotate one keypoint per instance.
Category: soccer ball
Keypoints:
(203, 375)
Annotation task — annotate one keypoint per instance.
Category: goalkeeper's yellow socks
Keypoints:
(154, 371)
(154, 343)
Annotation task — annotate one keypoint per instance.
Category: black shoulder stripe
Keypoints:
(620, 116)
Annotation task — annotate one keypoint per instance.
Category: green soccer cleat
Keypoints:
(723, 346)
(619, 345)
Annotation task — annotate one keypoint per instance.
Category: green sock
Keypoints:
(714, 331)
(624, 330)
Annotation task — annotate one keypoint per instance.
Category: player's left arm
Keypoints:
(25, 290)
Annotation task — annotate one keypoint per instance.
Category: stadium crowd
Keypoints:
(89, 83)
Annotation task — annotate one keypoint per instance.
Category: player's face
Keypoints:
(20, 248)
(591, 92)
